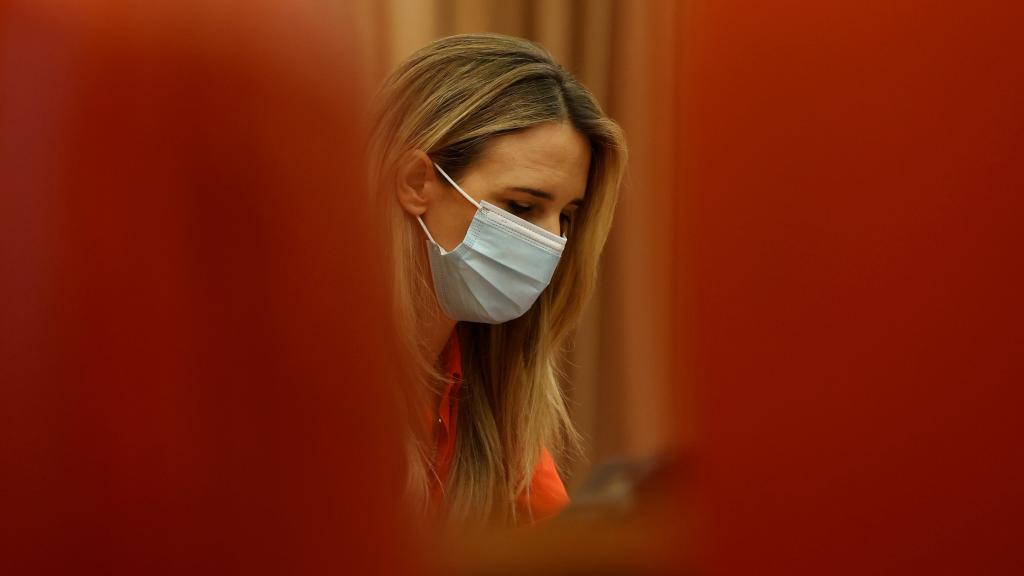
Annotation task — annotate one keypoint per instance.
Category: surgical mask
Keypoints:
(499, 269)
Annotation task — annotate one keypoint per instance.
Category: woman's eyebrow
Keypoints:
(541, 194)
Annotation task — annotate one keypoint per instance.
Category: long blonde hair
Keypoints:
(449, 99)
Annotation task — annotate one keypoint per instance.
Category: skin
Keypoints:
(552, 159)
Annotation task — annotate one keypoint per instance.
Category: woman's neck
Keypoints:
(437, 331)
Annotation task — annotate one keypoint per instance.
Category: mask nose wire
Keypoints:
(457, 187)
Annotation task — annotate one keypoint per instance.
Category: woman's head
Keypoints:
(511, 127)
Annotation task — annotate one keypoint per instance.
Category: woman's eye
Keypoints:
(518, 207)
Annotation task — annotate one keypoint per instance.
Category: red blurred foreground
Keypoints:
(852, 284)
(190, 358)
(192, 364)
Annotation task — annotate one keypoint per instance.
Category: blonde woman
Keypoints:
(495, 174)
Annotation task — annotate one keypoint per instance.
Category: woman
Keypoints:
(496, 174)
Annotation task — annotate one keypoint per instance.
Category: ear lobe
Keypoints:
(415, 173)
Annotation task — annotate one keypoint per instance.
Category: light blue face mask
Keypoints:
(499, 269)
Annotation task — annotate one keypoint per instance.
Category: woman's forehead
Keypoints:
(553, 157)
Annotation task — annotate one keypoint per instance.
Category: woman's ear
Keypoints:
(416, 181)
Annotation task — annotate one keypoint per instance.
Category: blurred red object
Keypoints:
(192, 363)
(851, 284)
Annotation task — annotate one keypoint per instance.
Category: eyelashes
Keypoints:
(523, 211)
(518, 208)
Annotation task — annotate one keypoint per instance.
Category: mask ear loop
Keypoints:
(427, 232)
(461, 191)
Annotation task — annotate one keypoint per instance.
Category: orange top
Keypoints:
(547, 494)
